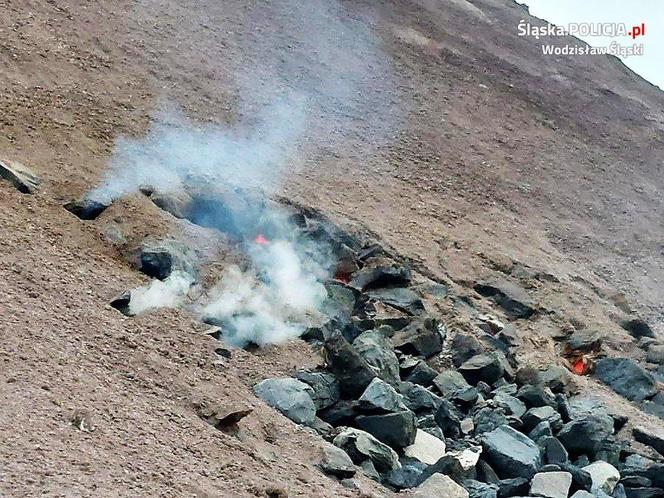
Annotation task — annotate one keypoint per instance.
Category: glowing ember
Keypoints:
(260, 239)
(579, 367)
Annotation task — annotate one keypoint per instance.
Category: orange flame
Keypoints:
(260, 239)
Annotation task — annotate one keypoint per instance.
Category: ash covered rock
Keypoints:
(511, 453)
(380, 272)
(551, 484)
(423, 337)
(20, 176)
(351, 369)
(336, 462)
(378, 352)
(397, 429)
(379, 396)
(325, 387)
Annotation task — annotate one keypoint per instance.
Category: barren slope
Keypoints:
(504, 155)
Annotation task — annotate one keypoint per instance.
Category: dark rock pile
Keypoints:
(482, 428)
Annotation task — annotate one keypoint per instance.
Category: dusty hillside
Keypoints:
(502, 158)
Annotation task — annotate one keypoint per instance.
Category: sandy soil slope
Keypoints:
(502, 157)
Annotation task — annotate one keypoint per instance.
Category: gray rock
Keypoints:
(290, 396)
(586, 435)
(448, 419)
(649, 438)
(86, 209)
(627, 378)
(541, 414)
(585, 341)
(477, 489)
(556, 378)
(540, 431)
(487, 367)
(551, 484)
(400, 298)
(336, 462)
(426, 448)
(379, 396)
(450, 381)
(159, 259)
(515, 486)
(514, 300)
(422, 374)
(464, 347)
(423, 337)
(397, 430)
(655, 354)
(343, 412)
(488, 419)
(637, 328)
(325, 387)
(23, 179)
(534, 396)
(511, 453)
(604, 476)
(583, 494)
(352, 371)
(360, 446)
(438, 486)
(408, 476)
(374, 276)
(511, 405)
(378, 352)
(418, 398)
(553, 451)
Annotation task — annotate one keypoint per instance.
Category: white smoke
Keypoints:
(168, 293)
(309, 72)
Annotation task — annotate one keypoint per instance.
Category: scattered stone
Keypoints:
(290, 396)
(541, 431)
(223, 416)
(325, 387)
(378, 352)
(554, 451)
(649, 438)
(580, 478)
(160, 259)
(656, 354)
(86, 209)
(583, 494)
(422, 374)
(585, 435)
(352, 371)
(408, 476)
(542, 414)
(450, 381)
(516, 486)
(23, 179)
(487, 419)
(488, 367)
(464, 347)
(375, 275)
(423, 337)
(437, 486)
(417, 398)
(379, 396)
(511, 453)
(477, 489)
(343, 412)
(551, 484)
(360, 446)
(512, 298)
(511, 405)
(400, 298)
(584, 341)
(604, 476)
(637, 328)
(394, 429)
(485, 473)
(627, 378)
(121, 303)
(490, 324)
(556, 378)
(336, 462)
(448, 419)
(426, 448)
(534, 396)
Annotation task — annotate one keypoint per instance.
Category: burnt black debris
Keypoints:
(121, 303)
(86, 209)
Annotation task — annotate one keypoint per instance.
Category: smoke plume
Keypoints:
(307, 74)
